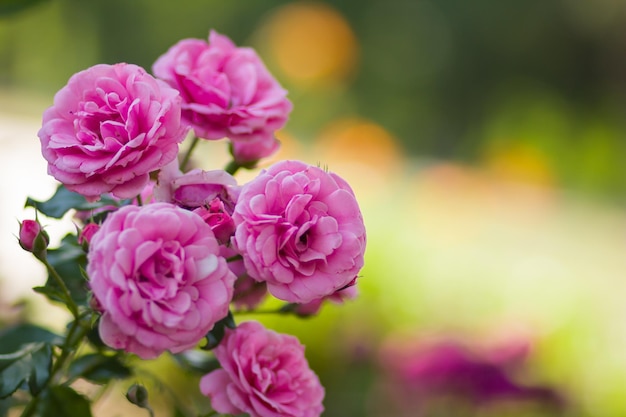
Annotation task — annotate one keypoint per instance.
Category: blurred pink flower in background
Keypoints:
(447, 375)
(157, 275)
(299, 229)
(264, 374)
(108, 128)
(227, 92)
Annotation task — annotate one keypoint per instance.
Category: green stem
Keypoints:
(287, 308)
(71, 305)
(232, 167)
(234, 258)
(187, 157)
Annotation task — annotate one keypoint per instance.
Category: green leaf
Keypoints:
(14, 370)
(13, 6)
(65, 200)
(99, 368)
(69, 260)
(63, 401)
(14, 338)
(30, 364)
(60, 203)
(215, 336)
(41, 364)
(197, 361)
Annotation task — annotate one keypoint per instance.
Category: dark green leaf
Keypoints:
(63, 401)
(94, 336)
(215, 336)
(53, 294)
(14, 338)
(41, 363)
(65, 200)
(14, 370)
(99, 368)
(13, 6)
(197, 361)
(60, 203)
(30, 364)
(69, 260)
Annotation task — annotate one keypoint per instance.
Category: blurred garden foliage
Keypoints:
(531, 90)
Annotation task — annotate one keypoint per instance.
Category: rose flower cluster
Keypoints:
(185, 247)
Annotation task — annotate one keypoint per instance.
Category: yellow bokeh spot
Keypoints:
(311, 42)
(519, 162)
(359, 141)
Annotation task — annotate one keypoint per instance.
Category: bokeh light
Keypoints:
(311, 43)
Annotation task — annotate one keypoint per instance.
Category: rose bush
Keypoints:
(300, 229)
(227, 92)
(264, 374)
(108, 128)
(156, 274)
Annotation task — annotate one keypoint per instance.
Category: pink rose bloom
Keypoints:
(195, 188)
(338, 297)
(108, 128)
(215, 215)
(227, 92)
(299, 228)
(156, 272)
(264, 374)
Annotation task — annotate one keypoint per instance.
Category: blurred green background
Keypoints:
(484, 139)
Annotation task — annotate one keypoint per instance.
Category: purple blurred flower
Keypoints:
(424, 377)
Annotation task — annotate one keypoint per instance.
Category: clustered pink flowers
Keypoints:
(189, 246)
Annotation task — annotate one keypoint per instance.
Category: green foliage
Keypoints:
(31, 365)
(99, 368)
(8, 7)
(65, 200)
(16, 337)
(62, 400)
(215, 336)
(69, 261)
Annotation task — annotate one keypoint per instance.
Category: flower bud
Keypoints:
(216, 216)
(32, 237)
(85, 235)
(138, 395)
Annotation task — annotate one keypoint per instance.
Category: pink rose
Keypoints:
(108, 128)
(215, 215)
(227, 92)
(338, 297)
(299, 228)
(264, 374)
(85, 235)
(196, 188)
(156, 272)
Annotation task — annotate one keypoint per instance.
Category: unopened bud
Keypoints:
(32, 237)
(138, 395)
(85, 235)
